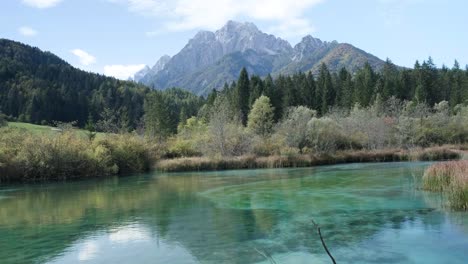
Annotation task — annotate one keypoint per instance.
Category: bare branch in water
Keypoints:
(266, 255)
(323, 241)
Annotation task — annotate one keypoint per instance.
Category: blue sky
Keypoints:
(117, 37)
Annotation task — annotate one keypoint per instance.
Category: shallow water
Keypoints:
(368, 213)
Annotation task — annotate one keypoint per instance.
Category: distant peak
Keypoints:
(311, 40)
(232, 25)
(165, 57)
(205, 35)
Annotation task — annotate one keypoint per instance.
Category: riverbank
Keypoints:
(277, 161)
(31, 156)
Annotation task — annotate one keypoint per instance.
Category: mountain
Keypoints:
(147, 73)
(211, 59)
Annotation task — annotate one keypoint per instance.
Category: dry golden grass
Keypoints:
(301, 160)
(450, 177)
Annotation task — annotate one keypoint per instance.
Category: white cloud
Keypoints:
(84, 57)
(41, 3)
(122, 72)
(27, 31)
(284, 16)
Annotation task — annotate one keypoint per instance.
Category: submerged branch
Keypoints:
(323, 241)
(266, 255)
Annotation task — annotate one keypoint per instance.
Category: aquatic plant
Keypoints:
(303, 160)
(451, 178)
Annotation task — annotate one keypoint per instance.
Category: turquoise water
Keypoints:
(368, 213)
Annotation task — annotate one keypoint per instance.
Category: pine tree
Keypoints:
(309, 91)
(364, 85)
(429, 80)
(456, 91)
(243, 94)
(345, 94)
(390, 80)
(325, 92)
(274, 94)
(256, 84)
(157, 116)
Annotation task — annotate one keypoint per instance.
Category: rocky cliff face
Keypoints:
(211, 59)
(236, 36)
(146, 74)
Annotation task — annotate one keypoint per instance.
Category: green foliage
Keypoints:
(157, 116)
(38, 87)
(243, 92)
(190, 139)
(26, 156)
(293, 128)
(325, 135)
(261, 117)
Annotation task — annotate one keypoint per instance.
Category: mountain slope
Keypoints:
(39, 87)
(348, 56)
(211, 59)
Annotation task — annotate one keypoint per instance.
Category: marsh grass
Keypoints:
(303, 160)
(451, 178)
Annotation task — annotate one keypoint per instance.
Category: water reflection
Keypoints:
(369, 213)
(132, 243)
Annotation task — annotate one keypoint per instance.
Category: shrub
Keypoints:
(324, 134)
(266, 146)
(178, 147)
(293, 128)
(26, 156)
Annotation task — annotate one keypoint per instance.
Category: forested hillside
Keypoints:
(39, 87)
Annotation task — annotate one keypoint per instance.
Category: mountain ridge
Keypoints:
(210, 59)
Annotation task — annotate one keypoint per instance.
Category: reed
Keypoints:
(303, 160)
(451, 178)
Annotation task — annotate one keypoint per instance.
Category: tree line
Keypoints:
(327, 90)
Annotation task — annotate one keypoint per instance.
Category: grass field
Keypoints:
(39, 129)
(32, 128)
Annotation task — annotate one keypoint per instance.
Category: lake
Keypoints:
(368, 213)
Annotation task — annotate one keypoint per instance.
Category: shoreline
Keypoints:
(306, 160)
(197, 164)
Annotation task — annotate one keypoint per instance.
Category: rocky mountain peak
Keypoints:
(161, 63)
(237, 36)
(311, 42)
(307, 45)
(236, 28)
(141, 73)
(203, 36)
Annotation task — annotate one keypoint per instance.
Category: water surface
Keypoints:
(369, 213)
